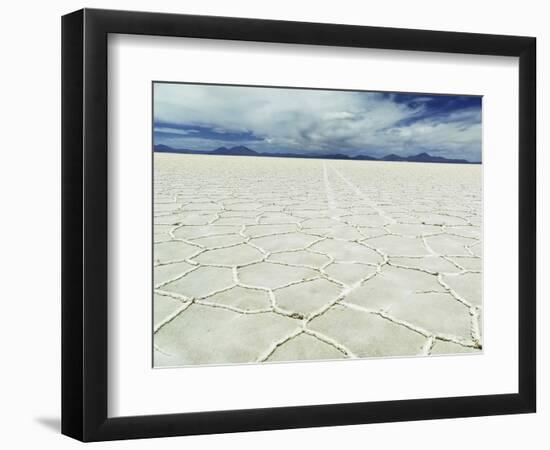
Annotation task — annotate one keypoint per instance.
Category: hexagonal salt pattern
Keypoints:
(272, 259)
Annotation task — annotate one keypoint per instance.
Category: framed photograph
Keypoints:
(273, 224)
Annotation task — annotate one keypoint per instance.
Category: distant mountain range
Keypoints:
(241, 150)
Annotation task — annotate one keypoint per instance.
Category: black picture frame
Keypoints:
(84, 224)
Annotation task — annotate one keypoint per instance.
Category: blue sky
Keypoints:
(205, 117)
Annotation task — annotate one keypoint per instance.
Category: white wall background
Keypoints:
(30, 225)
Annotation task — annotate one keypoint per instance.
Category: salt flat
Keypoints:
(279, 259)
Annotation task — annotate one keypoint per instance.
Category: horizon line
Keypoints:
(314, 155)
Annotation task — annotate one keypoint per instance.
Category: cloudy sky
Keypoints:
(205, 117)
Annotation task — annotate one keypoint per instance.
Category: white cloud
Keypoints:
(171, 130)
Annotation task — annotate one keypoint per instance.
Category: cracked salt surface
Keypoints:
(272, 259)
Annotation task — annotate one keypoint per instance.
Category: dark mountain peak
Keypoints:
(424, 157)
(163, 148)
(333, 156)
(393, 157)
(365, 158)
(239, 150)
